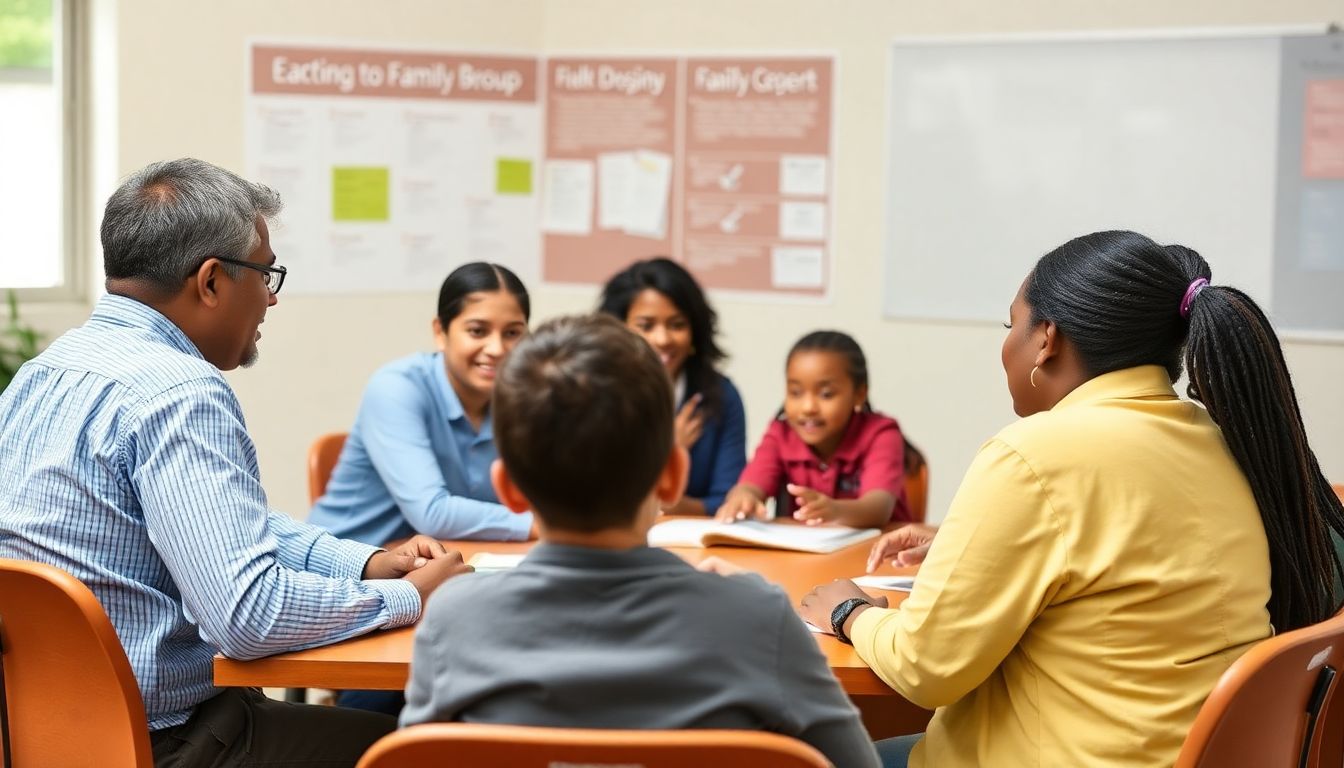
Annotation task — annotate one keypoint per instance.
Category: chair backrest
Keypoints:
(517, 746)
(1277, 705)
(1339, 490)
(67, 693)
(322, 457)
(916, 482)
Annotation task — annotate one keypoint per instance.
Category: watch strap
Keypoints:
(841, 614)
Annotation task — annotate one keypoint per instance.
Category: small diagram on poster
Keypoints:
(802, 175)
(802, 221)
(567, 207)
(796, 267)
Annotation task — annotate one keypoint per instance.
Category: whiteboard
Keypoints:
(999, 151)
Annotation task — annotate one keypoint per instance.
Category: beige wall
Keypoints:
(179, 91)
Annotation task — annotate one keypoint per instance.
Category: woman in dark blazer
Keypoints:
(660, 301)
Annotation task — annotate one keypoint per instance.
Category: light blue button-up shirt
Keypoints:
(413, 463)
(124, 460)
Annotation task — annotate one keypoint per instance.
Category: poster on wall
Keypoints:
(757, 169)
(723, 163)
(395, 165)
(607, 178)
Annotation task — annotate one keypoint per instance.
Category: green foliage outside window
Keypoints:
(18, 343)
(25, 34)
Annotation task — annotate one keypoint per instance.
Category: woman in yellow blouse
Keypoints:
(1110, 554)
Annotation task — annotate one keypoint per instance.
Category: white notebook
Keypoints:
(755, 533)
(888, 583)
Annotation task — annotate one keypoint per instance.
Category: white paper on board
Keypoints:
(802, 221)
(614, 170)
(802, 175)
(796, 267)
(646, 202)
(568, 205)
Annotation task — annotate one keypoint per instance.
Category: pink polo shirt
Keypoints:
(871, 457)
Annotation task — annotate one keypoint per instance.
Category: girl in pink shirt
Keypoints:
(827, 457)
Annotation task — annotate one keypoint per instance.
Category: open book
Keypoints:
(754, 533)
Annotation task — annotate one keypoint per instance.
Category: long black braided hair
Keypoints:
(1124, 301)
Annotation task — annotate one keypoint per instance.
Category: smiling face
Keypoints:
(664, 326)
(821, 398)
(476, 341)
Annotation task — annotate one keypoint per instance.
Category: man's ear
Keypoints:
(1050, 340)
(508, 493)
(672, 480)
(206, 281)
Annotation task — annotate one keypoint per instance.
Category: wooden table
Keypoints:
(381, 660)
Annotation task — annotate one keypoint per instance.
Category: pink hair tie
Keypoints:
(1196, 286)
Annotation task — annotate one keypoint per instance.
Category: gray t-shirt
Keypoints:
(589, 638)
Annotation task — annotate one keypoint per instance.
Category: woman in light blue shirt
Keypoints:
(418, 456)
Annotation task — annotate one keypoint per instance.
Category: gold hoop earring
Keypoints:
(1033, 376)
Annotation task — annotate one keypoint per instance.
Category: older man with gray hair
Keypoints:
(124, 460)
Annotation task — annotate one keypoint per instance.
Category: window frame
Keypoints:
(68, 64)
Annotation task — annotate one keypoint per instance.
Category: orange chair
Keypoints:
(1339, 490)
(517, 746)
(67, 693)
(322, 457)
(1278, 705)
(916, 482)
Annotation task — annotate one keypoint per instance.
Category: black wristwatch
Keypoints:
(840, 614)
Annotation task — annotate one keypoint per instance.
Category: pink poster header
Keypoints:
(392, 74)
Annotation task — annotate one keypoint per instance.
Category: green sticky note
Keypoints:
(359, 194)
(513, 176)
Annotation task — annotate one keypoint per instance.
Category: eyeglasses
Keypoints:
(274, 276)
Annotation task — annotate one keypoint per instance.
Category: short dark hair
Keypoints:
(1123, 301)
(673, 281)
(167, 218)
(842, 344)
(583, 421)
(479, 276)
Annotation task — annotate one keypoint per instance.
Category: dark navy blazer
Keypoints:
(720, 454)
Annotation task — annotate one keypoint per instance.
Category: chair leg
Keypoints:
(296, 695)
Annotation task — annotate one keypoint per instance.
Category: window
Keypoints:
(37, 211)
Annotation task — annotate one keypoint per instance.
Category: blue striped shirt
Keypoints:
(124, 460)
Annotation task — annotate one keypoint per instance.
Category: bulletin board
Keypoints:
(397, 165)
(721, 162)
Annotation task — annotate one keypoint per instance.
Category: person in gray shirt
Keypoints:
(595, 629)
